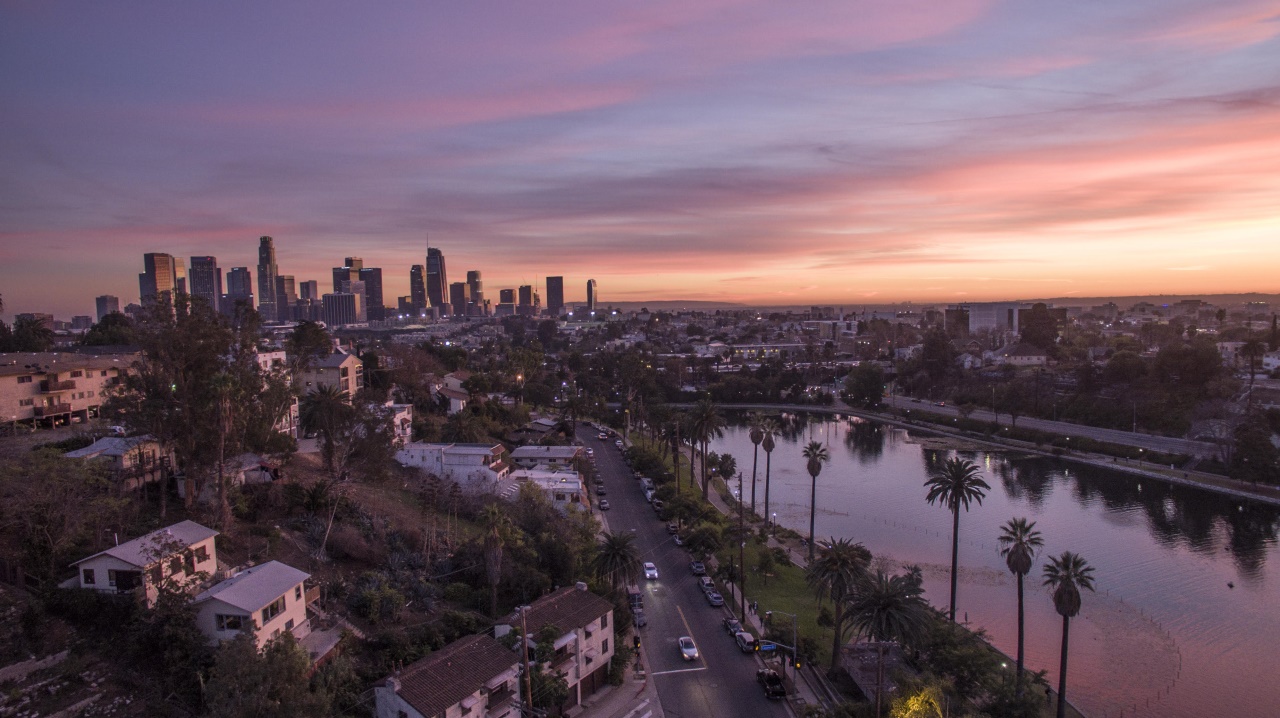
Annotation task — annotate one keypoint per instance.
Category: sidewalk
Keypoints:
(637, 697)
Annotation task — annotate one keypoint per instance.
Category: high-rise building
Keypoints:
(81, 322)
(239, 290)
(417, 289)
(286, 296)
(267, 273)
(206, 280)
(342, 308)
(591, 297)
(158, 277)
(438, 287)
(372, 278)
(309, 289)
(555, 295)
(506, 296)
(179, 275)
(459, 296)
(476, 288)
(107, 304)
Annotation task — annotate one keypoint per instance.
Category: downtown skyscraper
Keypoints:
(555, 295)
(267, 273)
(437, 280)
(159, 276)
(205, 280)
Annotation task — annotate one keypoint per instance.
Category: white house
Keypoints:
(183, 554)
(552, 457)
(563, 488)
(474, 676)
(270, 598)
(401, 421)
(584, 648)
(131, 460)
(475, 467)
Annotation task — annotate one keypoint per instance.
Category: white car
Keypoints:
(688, 649)
(650, 570)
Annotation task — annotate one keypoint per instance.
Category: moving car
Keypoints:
(604, 504)
(774, 688)
(688, 649)
(650, 570)
(677, 540)
(698, 568)
(714, 598)
(672, 527)
(602, 436)
(617, 443)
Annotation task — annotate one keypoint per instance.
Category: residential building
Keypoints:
(474, 467)
(438, 287)
(206, 280)
(584, 648)
(555, 296)
(159, 276)
(475, 676)
(130, 461)
(563, 488)
(106, 304)
(267, 273)
(339, 369)
(270, 598)
(1021, 354)
(182, 556)
(57, 387)
(552, 457)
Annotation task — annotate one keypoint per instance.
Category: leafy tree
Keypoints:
(865, 385)
(113, 329)
(1255, 457)
(1124, 367)
(306, 344)
(956, 484)
(938, 356)
(836, 574)
(165, 641)
(815, 455)
(246, 683)
(31, 335)
(1066, 575)
(1019, 542)
(1038, 327)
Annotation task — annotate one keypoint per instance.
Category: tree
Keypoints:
(31, 335)
(1066, 575)
(815, 455)
(245, 682)
(706, 424)
(836, 574)
(956, 484)
(326, 411)
(756, 433)
(498, 532)
(1039, 328)
(617, 559)
(306, 344)
(113, 329)
(865, 385)
(1019, 542)
(888, 608)
(769, 428)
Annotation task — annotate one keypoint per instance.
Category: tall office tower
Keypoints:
(286, 296)
(506, 296)
(206, 280)
(417, 288)
(372, 278)
(107, 304)
(81, 321)
(239, 290)
(459, 297)
(591, 296)
(357, 288)
(267, 273)
(341, 308)
(158, 277)
(180, 275)
(345, 273)
(438, 287)
(309, 289)
(476, 287)
(555, 295)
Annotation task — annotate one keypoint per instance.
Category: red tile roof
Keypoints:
(566, 609)
(454, 672)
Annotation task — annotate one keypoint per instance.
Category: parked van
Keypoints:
(635, 597)
(646, 483)
(648, 495)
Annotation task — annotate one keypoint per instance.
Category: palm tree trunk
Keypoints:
(879, 677)
(1062, 670)
(955, 556)
(837, 624)
(768, 465)
(813, 508)
(705, 482)
(1021, 635)
(755, 461)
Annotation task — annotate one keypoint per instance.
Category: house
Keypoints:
(475, 676)
(247, 468)
(269, 598)
(131, 461)
(476, 467)
(183, 555)
(563, 488)
(278, 362)
(56, 388)
(584, 647)
(401, 421)
(455, 380)
(1022, 354)
(552, 457)
(339, 369)
(457, 398)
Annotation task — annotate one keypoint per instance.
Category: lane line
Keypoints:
(638, 708)
(679, 670)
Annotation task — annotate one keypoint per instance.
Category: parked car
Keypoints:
(732, 625)
(706, 584)
(601, 490)
(746, 642)
(604, 504)
(638, 617)
(714, 598)
(672, 527)
(688, 649)
(650, 570)
(657, 505)
(677, 540)
(698, 568)
(774, 688)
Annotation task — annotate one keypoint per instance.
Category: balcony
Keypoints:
(49, 386)
(54, 410)
(501, 698)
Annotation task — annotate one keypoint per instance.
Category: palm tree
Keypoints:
(888, 608)
(836, 574)
(957, 483)
(1019, 542)
(463, 427)
(324, 409)
(757, 435)
(706, 424)
(816, 454)
(1066, 575)
(616, 558)
(769, 429)
(498, 532)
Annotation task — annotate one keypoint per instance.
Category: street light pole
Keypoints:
(524, 651)
(742, 553)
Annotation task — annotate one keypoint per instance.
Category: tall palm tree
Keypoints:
(1019, 542)
(1066, 575)
(958, 483)
(837, 573)
(498, 532)
(888, 608)
(324, 410)
(617, 559)
(769, 428)
(757, 435)
(706, 424)
(816, 455)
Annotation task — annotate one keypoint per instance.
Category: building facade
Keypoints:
(555, 296)
(206, 280)
(106, 304)
(438, 286)
(267, 273)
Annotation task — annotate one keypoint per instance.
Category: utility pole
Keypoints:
(524, 651)
(742, 552)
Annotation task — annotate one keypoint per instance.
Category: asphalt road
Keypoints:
(722, 682)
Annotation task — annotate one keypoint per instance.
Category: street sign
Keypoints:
(766, 646)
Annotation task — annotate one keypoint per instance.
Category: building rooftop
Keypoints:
(146, 550)
(452, 673)
(255, 587)
(109, 446)
(13, 364)
(537, 453)
(568, 608)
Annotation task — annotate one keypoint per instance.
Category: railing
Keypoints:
(500, 698)
(53, 410)
(49, 386)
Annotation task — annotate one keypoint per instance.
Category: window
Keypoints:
(202, 554)
(230, 623)
(77, 374)
(88, 577)
(104, 373)
(297, 592)
(26, 402)
(288, 625)
(111, 577)
(275, 609)
(24, 380)
(604, 621)
(604, 647)
(175, 565)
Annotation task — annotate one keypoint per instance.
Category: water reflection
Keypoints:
(864, 440)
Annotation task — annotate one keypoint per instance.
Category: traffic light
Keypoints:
(757, 646)
(797, 663)
(635, 640)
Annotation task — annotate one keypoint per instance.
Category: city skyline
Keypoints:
(839, 153)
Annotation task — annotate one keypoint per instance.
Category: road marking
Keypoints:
(639, 708)
(679, 670)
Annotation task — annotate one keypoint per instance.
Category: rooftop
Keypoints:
(454, 672)
(146, 550)
(14, 364)
(255, 587)
(568, 608)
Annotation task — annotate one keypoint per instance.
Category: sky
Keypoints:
(837, 152)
